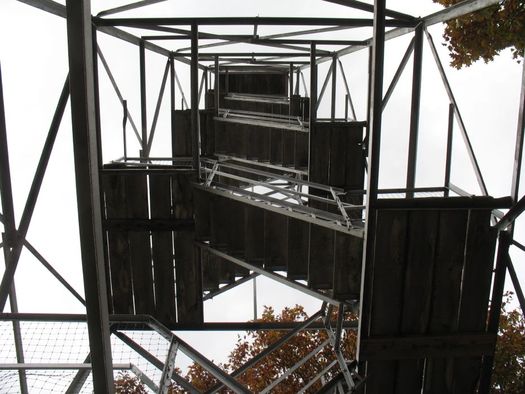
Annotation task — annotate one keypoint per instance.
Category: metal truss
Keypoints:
(286, 185)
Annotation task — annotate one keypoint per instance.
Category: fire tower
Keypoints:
(259, 184)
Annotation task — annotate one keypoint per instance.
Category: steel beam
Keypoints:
(54, 272)
(462, 128)
(349, 96)
(209, 366)
(415, 109)
(271, 275)
(169, 366)
(80, 51)
(194, 82)
(9, 235)
(143, 101)
(155, 362)
(230, 286)
(495, 308)
(128, 7)
(515, 283)
(398, 73)
(75, 387)
(359, 5)
(450, 140)
(157, 108)
(274, 346)
(374, 146)
(457, 10)
(32, 197)
(449, 13)
(6, 192)
(297, 365)
(243, 21)
(518, 150)
(117, 91)
(59, 366)
(334, 87)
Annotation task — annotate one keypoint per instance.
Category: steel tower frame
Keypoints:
(81, 85)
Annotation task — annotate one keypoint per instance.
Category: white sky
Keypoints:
(33, 55)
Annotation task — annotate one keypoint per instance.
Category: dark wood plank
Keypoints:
(418, 277)
(338, 140)
(201, 201)
(387, 268)
(118, 245)
(319, 160)
(477, 271)
(221, 140)
(164, 274)
(210, 271)
(417, 297)
(189, 282)
(162, 250)
(298, 249)
(219, 237)
(388, 273)
(275, 241)
(254, 234)
(207, 131)
(301, 151)
(182, 195)
(347, 266)
(236, 234)
(276, 146)
(446, 289)
(288, 148)
(139, 245)
(381, 376)
(181, 133)
(321, 259)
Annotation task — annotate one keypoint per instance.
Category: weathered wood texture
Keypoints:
(275, 83)
(429, 274)
(327, 259)
(144, 259)
(337, 159)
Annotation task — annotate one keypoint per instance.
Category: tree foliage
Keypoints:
(279, 361)
(509, 360)
(485, 33)
(508, 372)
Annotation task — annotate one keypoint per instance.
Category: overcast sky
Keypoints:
(33, 55)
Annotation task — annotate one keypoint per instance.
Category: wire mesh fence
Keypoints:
(51, 350)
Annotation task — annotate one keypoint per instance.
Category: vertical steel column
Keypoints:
(334, 87)
(415, 109)
(313, 99)
(374, 145)
(9, 235)
(194, 79)
(297, 77)
(172, 83)
(97, 97)
(450, 137)
(172, 98)
(313, 85)
(216, 84)
(143, 107)
(88, 195)
(206, 71)
(5, 177)
(495, 308)
(290, 81)
(518, 153)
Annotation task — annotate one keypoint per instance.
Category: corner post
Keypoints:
(80, 49)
